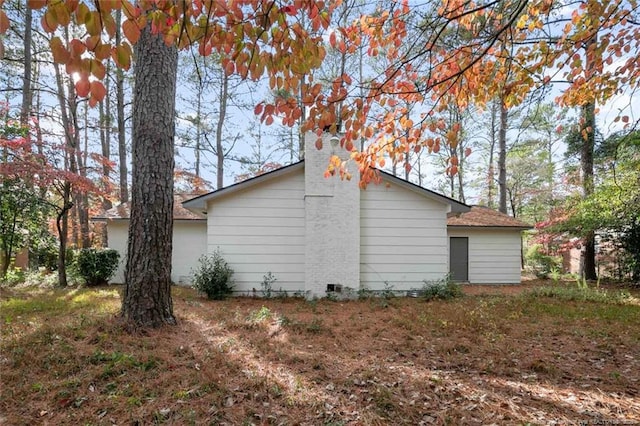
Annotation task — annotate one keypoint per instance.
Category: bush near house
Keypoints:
(213, 276)
(539, 263)
(97, 266)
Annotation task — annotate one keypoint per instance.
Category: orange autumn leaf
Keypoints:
(131, 31)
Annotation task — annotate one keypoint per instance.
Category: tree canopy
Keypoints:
(470, 50)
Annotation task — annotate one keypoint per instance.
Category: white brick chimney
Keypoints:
(332, 218)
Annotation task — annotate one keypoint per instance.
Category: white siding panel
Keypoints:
(403, 238)
(494, 255)
(261, 230)
(117, 234)
(189, 243)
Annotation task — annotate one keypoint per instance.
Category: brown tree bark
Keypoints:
(27, 93)
(120, 118)
(220, 154)
(588, 116)
(105, 144)
(502, 158)
(68, 115)
(586, 164)
(147, 295)
(81, 198)
(492, 147)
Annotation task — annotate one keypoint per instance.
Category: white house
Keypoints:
(316, 234)
(189, 238)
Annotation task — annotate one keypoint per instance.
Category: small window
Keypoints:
(334, 288)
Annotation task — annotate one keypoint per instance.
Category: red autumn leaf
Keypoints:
(97, 90)
(289, 10)
(77, 47)
(82, 87)
(258, 109)
(229, 67)
(332, 39)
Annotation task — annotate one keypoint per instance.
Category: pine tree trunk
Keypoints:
(491, 170)
(27, 93)
(502, 159)
(122, 141)
(147, 295)
(224, 91)
(105, 144)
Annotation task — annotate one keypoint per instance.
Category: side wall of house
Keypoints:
(261, 230)
(118, 234)
(494, 255)
(189, 243)
(403, 238)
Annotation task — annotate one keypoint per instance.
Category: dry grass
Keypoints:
(483, 359)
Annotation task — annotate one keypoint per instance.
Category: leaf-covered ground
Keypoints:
(492, 357)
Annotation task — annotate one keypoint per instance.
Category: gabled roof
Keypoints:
(484, 217)
(199, 203)
(123, 211)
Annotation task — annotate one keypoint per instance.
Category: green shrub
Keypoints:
(14, 276)
(44, 255)
(97, 266)
(443, 289)
(213, 276)
(267, 285)
(539, 263)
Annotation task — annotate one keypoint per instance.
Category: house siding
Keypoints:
(494, 255)
(403, 238)
(261, 230)
(189, 243)
(118, 233)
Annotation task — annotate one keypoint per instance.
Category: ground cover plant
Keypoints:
(499, 355)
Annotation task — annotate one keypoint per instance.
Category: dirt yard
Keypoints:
(499, 355)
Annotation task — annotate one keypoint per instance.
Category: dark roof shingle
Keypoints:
(480, 216)
(123, 211)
